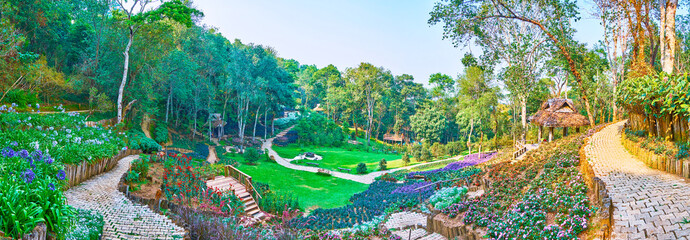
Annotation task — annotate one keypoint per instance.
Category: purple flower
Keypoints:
(23, 153)
(28, 176)
(61, 175)
(14, 143)
(48, 159)
(52, 186)
(37, 155)
(8, 152)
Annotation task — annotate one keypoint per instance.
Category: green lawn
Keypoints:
(333, 157)
(311, 189)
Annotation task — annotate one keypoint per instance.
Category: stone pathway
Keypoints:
(123, 219)
(649, 204)
(366, 178)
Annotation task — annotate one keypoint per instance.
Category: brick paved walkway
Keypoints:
(123, 219)
(649, 204)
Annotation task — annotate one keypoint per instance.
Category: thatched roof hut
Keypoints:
(558, 112)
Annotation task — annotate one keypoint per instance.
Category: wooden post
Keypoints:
(550, 134)
(565, 131)
(577, 129)
(541, 129)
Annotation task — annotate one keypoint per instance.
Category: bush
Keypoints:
(416, 151)
(425, 155)
(447, 196)
(382, 164)
(438, 150)
(455, 148)
(251, 155)
(160, 133)
(320, 131)
(88, 225)
(141, 166)
(361, 168)
(137, 140)
(406, 159)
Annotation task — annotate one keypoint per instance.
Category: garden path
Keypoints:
(648, 203)
(366, 178)
(123, 219)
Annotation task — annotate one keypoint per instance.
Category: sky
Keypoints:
(393, 34)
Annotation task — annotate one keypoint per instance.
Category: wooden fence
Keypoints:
(77, 174)
(599, 194)
(655, 161)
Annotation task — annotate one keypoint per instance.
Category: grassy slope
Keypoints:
(339, 157)
(312, 190)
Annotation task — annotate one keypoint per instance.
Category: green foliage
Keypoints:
(406, 159)
(316, 129)
(382, 164)
(429, 123)
(160, 133)
(137, 140)
(425, 154)
(361, 168)
(88, 225)
(20, 97)
(141, 167)
(251, 155)
(447, 196)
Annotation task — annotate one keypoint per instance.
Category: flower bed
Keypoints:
(540, 197)
(469, 160)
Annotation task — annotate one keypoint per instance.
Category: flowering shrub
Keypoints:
(88, 225)
(30, 183)
(183, 185)
(64, 136)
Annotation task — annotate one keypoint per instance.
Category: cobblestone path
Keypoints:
(649, 204)
(123, 219)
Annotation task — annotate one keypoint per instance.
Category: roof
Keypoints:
(318, 108)
(558, 112)
(393, 137)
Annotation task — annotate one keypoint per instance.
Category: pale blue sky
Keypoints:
(393, 34)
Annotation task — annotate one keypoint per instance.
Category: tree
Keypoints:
(428, 123)
(476, 100)
(382, 164)
(466, 20)
(443, 84)
(406, 159)
(136, 16)
(667, 34)
(368, 81)
(361, 168)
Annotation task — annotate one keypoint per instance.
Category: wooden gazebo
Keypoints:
(558, 113)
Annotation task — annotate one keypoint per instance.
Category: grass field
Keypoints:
(333, 158)
(311, 189)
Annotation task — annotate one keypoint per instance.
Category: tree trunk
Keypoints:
(124, 75)
(256, 120)
(168, 106)
(667, 31)
(469, 136)
(273, 125)
(523, 106)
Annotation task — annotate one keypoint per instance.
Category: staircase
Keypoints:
(251, 208)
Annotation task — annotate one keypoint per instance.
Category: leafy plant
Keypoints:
(361, 168)
(251, 155)
(88, 225)
(382, 164)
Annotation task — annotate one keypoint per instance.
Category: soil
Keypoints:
(152, 186)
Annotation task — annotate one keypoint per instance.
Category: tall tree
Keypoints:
(465, 20)
(135, 15)
(368, 81)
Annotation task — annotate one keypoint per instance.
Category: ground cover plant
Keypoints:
(88, 225)
(469, 160)
(657, 145)
(364, 206)
(312, 190)
(540, 197)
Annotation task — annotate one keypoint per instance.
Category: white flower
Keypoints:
(35, 145)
